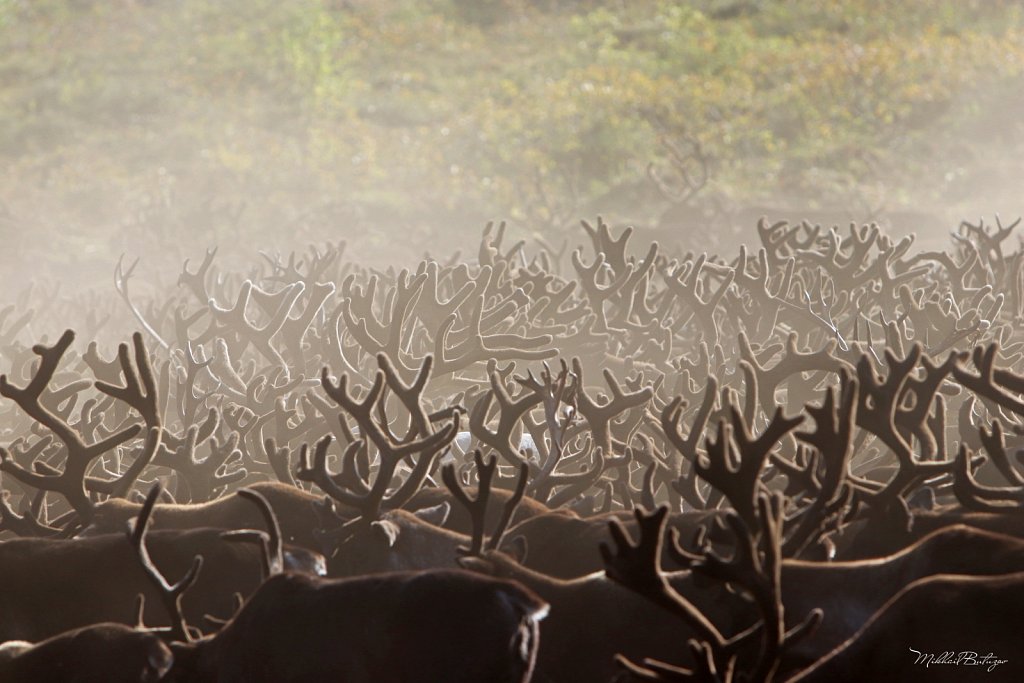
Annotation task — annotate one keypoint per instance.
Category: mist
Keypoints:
(159, 128)
(593, 341)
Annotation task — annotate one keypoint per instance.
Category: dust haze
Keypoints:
(478, 341)
(158, 128)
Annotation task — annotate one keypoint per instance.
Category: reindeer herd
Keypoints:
(800, 462)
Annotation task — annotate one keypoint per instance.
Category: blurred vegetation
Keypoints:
(126, 121)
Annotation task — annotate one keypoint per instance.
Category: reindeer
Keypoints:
(54, 585)
(99, 652)
(393, 626)
(702, 371)
(974, 616)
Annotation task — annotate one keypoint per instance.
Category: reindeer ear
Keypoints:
(160, 661)
(305, 561)
(389, 529)
(922, 499)
(516, 548)
(481, 565)
(436, 515)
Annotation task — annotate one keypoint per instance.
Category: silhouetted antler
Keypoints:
(477, 507)
(391, 451)
(70, 483)
(171, 594)
(738, 477)
(638, 567)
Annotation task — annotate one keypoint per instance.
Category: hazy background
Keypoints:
(160, 127)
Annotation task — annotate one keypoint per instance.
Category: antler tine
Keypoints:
(768, 590)
(878, 405)
(660, 672)
(638, 567)
(338, 392)
(71, 482)
(391, 453)
(278, 457)
(510, 508)
(624, 276)
(832, 442)
(746, 567)
(119, 487)
(28, 397)
(791, 363)
(273, 549)
(511, 411)
(923, 391)
(477, 507)
(474, 346)
(170, 594)
(988, 383)
(672, 416)
(685, 281)
(599, 416)
(197, 281)
(973, 495)
(314, 471)
(833, 434)
(411, 395)
(739, 482)
(671, 419)
(121, 277)
(27, 524)
(554, 391)
(995, 445)
(755, 566)
(362, 411)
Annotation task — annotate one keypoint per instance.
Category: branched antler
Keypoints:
(738, 477)
(170, 594)
(70, 483)
(477, 507)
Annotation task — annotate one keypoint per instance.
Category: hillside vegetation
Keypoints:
(126, 123)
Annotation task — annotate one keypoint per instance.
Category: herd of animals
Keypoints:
(803, 461)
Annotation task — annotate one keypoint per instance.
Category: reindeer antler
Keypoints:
(71, 481)
(171, 594)
(477, 507)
